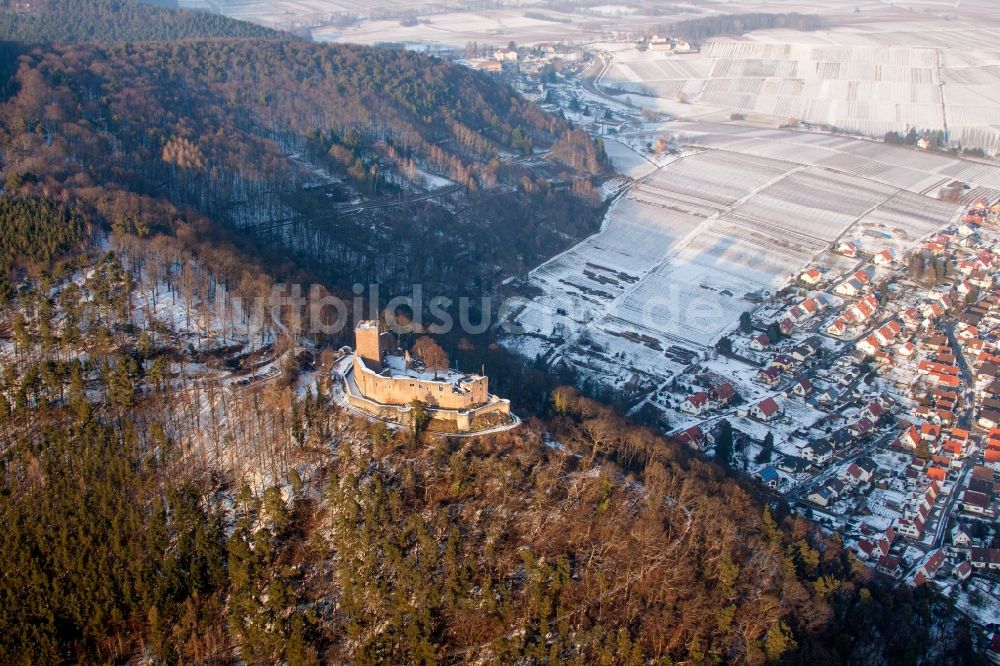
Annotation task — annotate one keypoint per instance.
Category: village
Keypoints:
(875, 406)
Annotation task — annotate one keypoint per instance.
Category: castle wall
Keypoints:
(461, 419)
(404, 390)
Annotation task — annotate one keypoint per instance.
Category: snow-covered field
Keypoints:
(696, 240)
(627, 161)
(869, 75)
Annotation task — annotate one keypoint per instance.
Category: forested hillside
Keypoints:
(177, 484)
(282, 139)
(116, 21)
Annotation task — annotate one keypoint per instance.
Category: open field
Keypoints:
(932, 66)
(683, 253)
(452, 23)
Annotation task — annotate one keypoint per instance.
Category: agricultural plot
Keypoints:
(869, 77)
(626, 161)
(900, 222)
(814, 204)
(717, 177)
(697, 240)
(635, 238)
(898, 167)
(691, 297)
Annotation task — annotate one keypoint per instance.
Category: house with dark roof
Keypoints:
(821, 495)
(861, 428)
(840, 438)
(802, 388)
(985, 559)
(693, 437)
(977, 504)
(806, 349)
(723, 394)
(993, 651)
(760, 342)
(768, 476)
(769, 376)
(817, 452)
(932, 564)
(888, 565)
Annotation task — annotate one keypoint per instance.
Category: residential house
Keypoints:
(910, 438)
(817, 452)
(874, 411)
(930, 432)
(693, 437)
(866, 549)
(863, 309)
(857, 472)
(802, 388)
(977, 504)
(868, 469)
(868, 346)
(989, 418)
(888, 566)
(769, 377)
(847, 248)
(695, 403)
(911, 528)
(985, 558)
(884, 258)
(723, 394)
(962, 571)
(960, 538)
(827, 397)
(849, 287)
(911, 317)
(769, 476)
(888, 332)
(811, 277)
(806, 349)
(838, 327)
(782, 362)
(861, 428)
(766, 410)
(760, 342)
(821, 495)
(932, 564)
(993, 649)
(981, 279)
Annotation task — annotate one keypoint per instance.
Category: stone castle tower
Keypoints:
(371, 343)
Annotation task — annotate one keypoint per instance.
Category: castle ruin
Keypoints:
(384, 382)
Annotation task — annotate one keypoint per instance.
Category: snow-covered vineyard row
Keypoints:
(704, 236)
(858, 82)
(916, 171)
